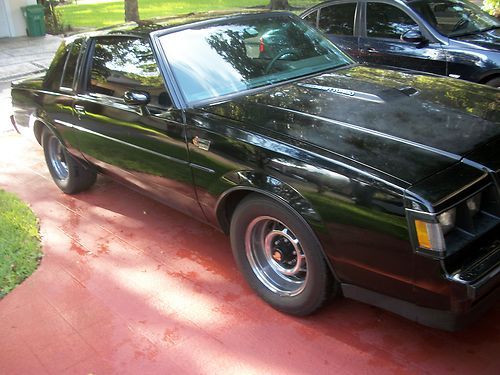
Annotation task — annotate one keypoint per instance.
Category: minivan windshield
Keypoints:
(237, 54)
(455, 17)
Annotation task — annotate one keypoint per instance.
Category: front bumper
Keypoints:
(475, 288)
(463, 295)
(442, 319)
(468, 313)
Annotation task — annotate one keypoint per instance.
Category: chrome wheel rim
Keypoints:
(58, 159)
(276, 256)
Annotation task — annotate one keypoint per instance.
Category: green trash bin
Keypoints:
(35, 19)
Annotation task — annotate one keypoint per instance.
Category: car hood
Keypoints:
(401, 123)
(487, 39)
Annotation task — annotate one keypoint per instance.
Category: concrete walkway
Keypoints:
(20, 57)
(128, 286)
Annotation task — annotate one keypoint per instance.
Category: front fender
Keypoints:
(247, 182)
(270, 186)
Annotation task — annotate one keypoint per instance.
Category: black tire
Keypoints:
(495, 82)
(260, 224)
(70, 175)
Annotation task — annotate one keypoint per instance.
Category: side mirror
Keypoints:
(413, 36)
(140, 98)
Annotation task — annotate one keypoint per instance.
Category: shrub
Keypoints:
(492, 7)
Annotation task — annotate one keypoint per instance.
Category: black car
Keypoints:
(447, 37)
(330, 177)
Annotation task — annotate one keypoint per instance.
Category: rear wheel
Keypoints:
(279, 256)
(69, 174)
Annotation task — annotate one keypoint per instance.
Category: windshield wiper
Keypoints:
(489, 29)
(475, 32)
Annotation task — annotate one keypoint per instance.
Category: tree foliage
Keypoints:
(492, 7)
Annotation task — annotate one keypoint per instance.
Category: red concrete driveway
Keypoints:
(129, 286)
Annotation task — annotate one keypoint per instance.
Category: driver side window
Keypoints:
(122, 64)
(387, 21)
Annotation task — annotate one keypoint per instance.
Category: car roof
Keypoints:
(143, 29)
(319, 5)
(328, 2)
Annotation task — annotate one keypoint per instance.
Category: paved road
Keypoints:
(20, 57)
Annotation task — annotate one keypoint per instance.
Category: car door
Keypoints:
(338, 22)
(59, 91)
(142, 145)
(382, 41)
(465, 59)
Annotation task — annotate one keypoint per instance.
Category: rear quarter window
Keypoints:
(62, 70)
(69, 70)
(53, 76)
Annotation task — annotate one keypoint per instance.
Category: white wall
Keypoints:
(4, 25)
(16, 22)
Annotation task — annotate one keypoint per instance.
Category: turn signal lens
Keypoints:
(429, 236)
(422, 234)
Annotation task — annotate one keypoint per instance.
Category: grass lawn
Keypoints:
(19, 242)
(112, 13)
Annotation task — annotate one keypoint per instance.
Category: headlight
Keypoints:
(474, 204)
(447, 220)
(430, 230)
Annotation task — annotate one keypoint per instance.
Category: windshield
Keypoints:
(225, 57)
(455, 17)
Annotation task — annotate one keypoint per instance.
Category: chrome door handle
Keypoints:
(371, 50)
(80, 109)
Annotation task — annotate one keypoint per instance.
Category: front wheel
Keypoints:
(495, 82)
(69, 174)
(279, 256)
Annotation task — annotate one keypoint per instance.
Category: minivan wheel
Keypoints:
(279, 256)
(69, 174)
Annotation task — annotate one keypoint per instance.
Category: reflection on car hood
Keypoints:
(488, 39)
(403, 124)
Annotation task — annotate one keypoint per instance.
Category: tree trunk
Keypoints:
(131, 10)
(279, 4)
(54, 18)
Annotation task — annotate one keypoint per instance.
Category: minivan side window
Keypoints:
(121, 64)
(337, 19)
(387, 21)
